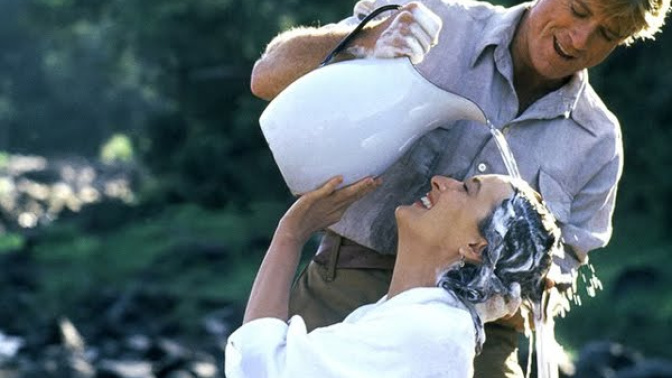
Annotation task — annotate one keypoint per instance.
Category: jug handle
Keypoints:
(352, 34)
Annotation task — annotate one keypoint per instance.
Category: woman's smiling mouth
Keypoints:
(426, 202)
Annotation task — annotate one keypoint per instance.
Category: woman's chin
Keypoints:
(404, 214)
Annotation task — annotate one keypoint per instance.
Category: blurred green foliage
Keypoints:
(4, 159)
(119, 148)
(173, 77)
(160, 249)
(635, 307)
(10, 242)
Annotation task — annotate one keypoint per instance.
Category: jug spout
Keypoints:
(456, 107)
(355, 118)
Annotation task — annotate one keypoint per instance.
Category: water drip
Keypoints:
(544, 340)
(592, 284)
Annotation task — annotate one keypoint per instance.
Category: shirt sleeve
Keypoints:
(590, 224)
(251, 349)
(404, 342)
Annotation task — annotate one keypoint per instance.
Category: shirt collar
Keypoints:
(561, 102)
(500, 30)
(423, 295)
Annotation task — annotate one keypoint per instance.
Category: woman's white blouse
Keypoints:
(422, 332)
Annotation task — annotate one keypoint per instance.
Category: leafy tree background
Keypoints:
(171, 77)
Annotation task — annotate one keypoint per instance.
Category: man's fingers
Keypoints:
(395, 44)
(421, 37)
(428, 20)
(363, 8)
(412, 32)
(415, 51)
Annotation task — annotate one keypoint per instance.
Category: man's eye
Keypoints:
(608, 36)
(576, 13)
(466, 188)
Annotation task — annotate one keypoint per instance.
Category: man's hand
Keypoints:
(363, 8)
(322, 207)
(555, 304)
(411, 32)
(498, 307)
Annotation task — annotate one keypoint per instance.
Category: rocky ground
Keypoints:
(112, 332)
(127, 334)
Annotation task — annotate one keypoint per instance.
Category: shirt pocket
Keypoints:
(555, 196)
(423, 154)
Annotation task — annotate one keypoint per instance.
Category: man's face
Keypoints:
(566, 36)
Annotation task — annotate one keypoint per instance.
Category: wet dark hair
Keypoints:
(521, 235)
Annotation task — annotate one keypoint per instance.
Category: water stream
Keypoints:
(544, 334)
(545, 345)
(504, 151)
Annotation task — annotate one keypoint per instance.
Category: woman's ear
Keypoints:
(473, 250)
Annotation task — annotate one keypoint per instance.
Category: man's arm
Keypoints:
(293, 54)
(311, 212)
(411, 32)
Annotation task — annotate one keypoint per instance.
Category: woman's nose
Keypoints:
(443, 183)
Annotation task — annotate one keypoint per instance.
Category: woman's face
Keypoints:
(448, 216)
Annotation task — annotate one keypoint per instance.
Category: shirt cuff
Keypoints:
(252, 339)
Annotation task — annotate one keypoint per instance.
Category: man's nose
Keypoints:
(581, 35)
(443, 183)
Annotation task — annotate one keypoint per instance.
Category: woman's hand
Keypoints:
(312, 211)
(322, 207)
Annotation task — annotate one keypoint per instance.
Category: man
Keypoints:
(526, 67)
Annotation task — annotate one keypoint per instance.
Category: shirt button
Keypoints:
(482, 167)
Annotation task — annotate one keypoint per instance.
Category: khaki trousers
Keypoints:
(326, 293)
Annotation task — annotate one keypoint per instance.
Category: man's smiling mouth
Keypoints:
(558, 49)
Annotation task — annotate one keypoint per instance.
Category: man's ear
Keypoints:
(474, 249)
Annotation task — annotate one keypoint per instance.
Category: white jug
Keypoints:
(354, 118)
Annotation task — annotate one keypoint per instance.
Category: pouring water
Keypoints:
(504, 151)
(545, 344)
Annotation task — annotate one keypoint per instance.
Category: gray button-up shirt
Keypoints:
(567, 144)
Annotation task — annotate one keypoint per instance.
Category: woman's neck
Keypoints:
(414, 268)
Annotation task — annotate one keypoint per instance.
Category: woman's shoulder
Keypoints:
(423, 310)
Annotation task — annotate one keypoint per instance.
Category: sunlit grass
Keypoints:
(167, 253)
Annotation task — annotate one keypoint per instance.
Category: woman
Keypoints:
(468, 252)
